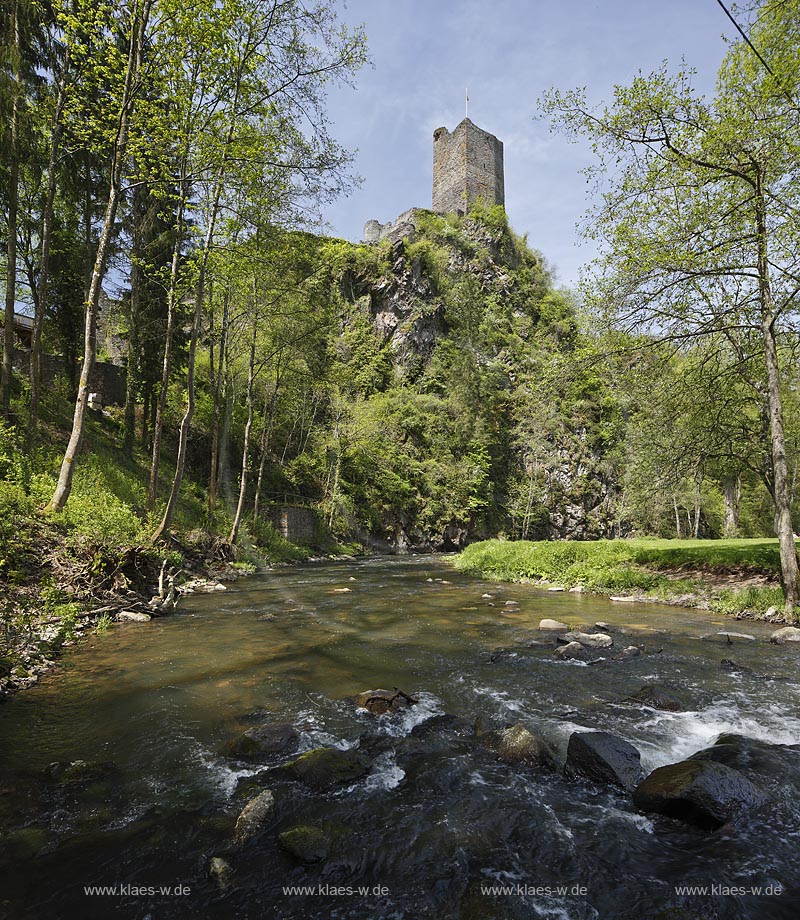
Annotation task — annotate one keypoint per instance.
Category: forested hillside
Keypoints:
(163, 171)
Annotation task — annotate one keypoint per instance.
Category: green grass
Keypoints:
(634, 566)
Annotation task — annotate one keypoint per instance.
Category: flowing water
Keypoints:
(438, 820)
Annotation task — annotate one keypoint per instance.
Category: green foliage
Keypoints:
(611, 566)
(272, 546)
(753, 599)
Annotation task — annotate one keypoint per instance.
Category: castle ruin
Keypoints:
(467, 165)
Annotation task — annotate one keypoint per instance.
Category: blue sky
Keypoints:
(507, 52)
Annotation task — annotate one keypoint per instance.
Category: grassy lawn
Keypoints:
(663, 569)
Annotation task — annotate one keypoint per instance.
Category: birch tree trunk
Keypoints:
(247, 429)
(729, 490)
(266, 436)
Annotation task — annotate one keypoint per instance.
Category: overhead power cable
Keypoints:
(757, 53)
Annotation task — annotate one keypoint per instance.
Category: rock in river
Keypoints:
(552, 624)
(603, 757)
(699, 792)
(516, 744)
(220, 870)
(658, 698)
(572, 652)
(787, 634)
(307, 843)
(323, 768)
(253, 815)
(271, 738)
(379, 702)
(631, 651)
(590, 640)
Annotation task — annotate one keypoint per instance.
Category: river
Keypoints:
(152, 709)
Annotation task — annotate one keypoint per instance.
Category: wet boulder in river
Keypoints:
(590, 640)
(77, 772)
(787, 634)
(574, 651)
(632, 651)
(253, 816)
(516, 744)
(271, 738)
(703, 793)
(324, 767)
(658, 698)
(758, 760)
(379, 702)
(552, 624)
(308, 843)
(603, 757)
(220, 871)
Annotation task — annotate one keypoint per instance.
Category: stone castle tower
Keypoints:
(467, 164)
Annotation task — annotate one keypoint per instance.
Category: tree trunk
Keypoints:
(132, 368)
(677, 518)
(186, 421)
(237, 520)
(217, 393)
(265, 439)
(783, 514)
(11, 224)
(166, 367)
(64, 486)
(44, 266)
(729, 498)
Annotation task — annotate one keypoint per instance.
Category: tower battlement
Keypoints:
(467, 164)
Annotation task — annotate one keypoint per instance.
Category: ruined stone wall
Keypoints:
(299, 525)
(467, 164)
(107, 380)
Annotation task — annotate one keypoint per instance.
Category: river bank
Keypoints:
(735, 577)
(64, 590)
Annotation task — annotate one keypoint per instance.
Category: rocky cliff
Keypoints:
(488, 422)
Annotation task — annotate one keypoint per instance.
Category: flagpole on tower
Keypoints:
(466, 107)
